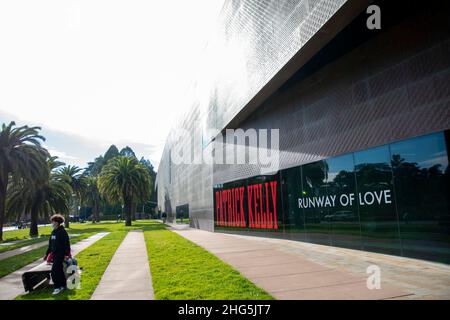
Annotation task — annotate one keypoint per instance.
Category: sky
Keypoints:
(95, 73)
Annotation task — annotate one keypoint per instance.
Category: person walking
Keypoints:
(58, 251)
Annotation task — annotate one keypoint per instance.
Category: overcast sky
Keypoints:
(93, 73)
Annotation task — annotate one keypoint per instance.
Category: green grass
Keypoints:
(181, 270)
(23, 243)
(14, 263)
(93, 260)
(85, 230)
(22, 234)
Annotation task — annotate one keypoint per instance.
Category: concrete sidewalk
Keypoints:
(11, 285)
(128, 274)
(15, 252)
(289, 274)
(26, 248)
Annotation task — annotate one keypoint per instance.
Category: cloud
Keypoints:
(61, 154)
(101, 72)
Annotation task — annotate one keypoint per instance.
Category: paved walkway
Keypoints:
(290, 274)
(4, 244)
(11, 253)
(128, 274)
(14, 252)
(11, 285)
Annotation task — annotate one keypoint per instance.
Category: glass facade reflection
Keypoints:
(314, 181)
(421, 174)
(379, 223)
(344, 217)
(390, 199)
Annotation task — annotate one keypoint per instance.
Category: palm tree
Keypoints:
(21, 157)
(78, 183)
(42, 197)
(92, 197)
(124, 180)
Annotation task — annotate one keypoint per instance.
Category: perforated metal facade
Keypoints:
(352, 95)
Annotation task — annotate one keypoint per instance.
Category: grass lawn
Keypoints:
(86, 230)
(93, 260)
(24, 243)
(181, 270)
(23, 234)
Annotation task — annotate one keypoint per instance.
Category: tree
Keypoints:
(152, 199)
(94, 168)
(41, 197)
(127, 152)
(77, 182)
(125, 180)
(111, 153)
(92, 197)
(21, 157)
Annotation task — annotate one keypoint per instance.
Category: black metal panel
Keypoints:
(378, 89)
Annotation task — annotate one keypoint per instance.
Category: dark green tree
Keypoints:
(48, 194)
(21, 157)
(127, 152)
(78, 184)
(92, 197)
(126, 181)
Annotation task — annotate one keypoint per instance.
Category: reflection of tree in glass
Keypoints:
(373, 175)
(315, 176)
(168, 205)
(419, 191)
(343, 180)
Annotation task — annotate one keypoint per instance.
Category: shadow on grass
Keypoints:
(150, 226)
(90, 230)
(28, 238)
(46, 233)
(45, 292)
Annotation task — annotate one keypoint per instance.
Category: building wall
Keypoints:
(392, 86)
(391, 198)
(362, 90)
(373, 105)
(252, 42)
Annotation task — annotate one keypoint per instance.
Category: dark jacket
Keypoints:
(59, 243)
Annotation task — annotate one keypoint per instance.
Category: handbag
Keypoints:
(50, 257)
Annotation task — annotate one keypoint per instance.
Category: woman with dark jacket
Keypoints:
(59, 250)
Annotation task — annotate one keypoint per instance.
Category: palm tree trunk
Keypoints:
(34, 232)
(3, 188)
(133, 212)
(97, 212)
(94, 213)
(67, 220)
(128, 210)
(2, 213)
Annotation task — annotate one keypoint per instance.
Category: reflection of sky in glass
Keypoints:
(374, 155)
(338, 164)
(426, 151)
